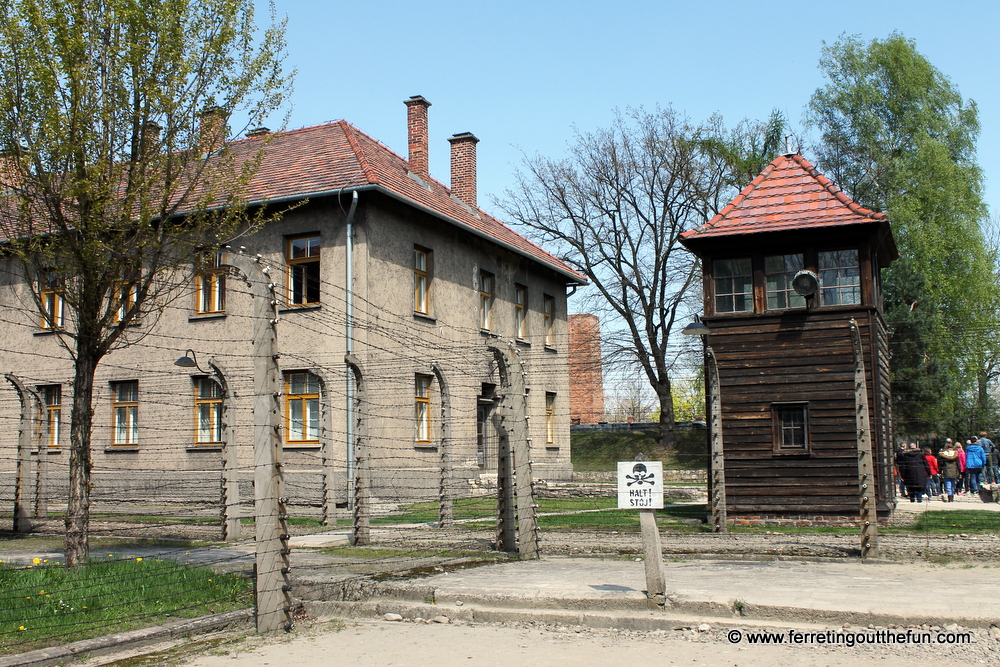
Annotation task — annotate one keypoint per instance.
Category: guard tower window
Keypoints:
(733, 285)
(779, 270)
(790, 424)
(839, 277)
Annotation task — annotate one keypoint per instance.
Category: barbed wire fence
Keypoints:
(464, 493)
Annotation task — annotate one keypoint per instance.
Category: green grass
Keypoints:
(598, 451)
(379, 553)
(958, 521)
(671, 517)
(484, 507)
(44, 604)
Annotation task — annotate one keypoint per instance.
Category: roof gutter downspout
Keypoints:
(441, 216)
(349, 343)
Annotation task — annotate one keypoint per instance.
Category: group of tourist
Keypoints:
(956, 469)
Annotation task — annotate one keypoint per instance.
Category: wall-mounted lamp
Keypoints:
(189, 360)
(696, 328)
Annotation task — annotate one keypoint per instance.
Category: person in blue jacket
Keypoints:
(975, 460)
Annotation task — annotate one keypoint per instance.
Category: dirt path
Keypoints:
(405, 644)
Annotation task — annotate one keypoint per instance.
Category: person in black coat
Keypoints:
(914, 470)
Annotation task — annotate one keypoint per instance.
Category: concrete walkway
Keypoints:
(850, 592)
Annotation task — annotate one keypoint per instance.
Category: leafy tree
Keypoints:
(614, 207)
(113, 132)
(899, 138)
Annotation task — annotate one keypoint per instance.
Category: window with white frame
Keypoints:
(125, 413)
(301, 408)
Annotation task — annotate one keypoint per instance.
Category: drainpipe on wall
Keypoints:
(349, 341)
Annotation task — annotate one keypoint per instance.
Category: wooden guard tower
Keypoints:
(788, 265)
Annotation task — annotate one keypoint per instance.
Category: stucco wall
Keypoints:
(392, 344)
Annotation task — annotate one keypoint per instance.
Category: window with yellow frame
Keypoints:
(125, 295)
(52, 400)
(301, 408)
(486, 301)
(421, 280)
(52, 303)
(548, 319)
(302, 256)
(550, 418)
(207, 412)
(125, 412)
(422, 406)
(520, 311)
(210, 285)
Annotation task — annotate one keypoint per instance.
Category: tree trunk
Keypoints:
(78, 508)
(668, 439)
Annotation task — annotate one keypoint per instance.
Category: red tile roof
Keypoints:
(323, 159)
(788, 195)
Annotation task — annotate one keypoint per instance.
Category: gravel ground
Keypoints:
(445, 644)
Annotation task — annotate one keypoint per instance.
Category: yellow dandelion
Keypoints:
(27, 597)
(21, 627)
(41, 592)
(84, 606)
(36, 561)
(138, 560)
(209, 579)
(45, 560)
(111, 555)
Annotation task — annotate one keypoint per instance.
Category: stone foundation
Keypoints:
(799, 521)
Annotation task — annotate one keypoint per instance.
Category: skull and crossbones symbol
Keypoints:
(640, 476)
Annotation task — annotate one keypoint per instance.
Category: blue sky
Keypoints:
(521, 75)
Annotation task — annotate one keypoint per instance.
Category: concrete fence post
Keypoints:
(22, 522)
(273, 589)
(868, 515)
(360, 507)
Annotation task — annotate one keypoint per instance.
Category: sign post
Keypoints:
(640, 486)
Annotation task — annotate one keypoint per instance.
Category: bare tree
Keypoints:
(630, 401)
(615, 208)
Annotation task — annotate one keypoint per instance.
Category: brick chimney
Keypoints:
(416, 128)
(586, 384)
(463, 167)
(10, 173)
(212, 132)
(150, 140)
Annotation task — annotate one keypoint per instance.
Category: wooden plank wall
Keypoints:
(795, 357)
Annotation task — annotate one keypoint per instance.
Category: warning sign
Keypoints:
(640, 485)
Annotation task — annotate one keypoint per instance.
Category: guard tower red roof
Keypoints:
(789, 195)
